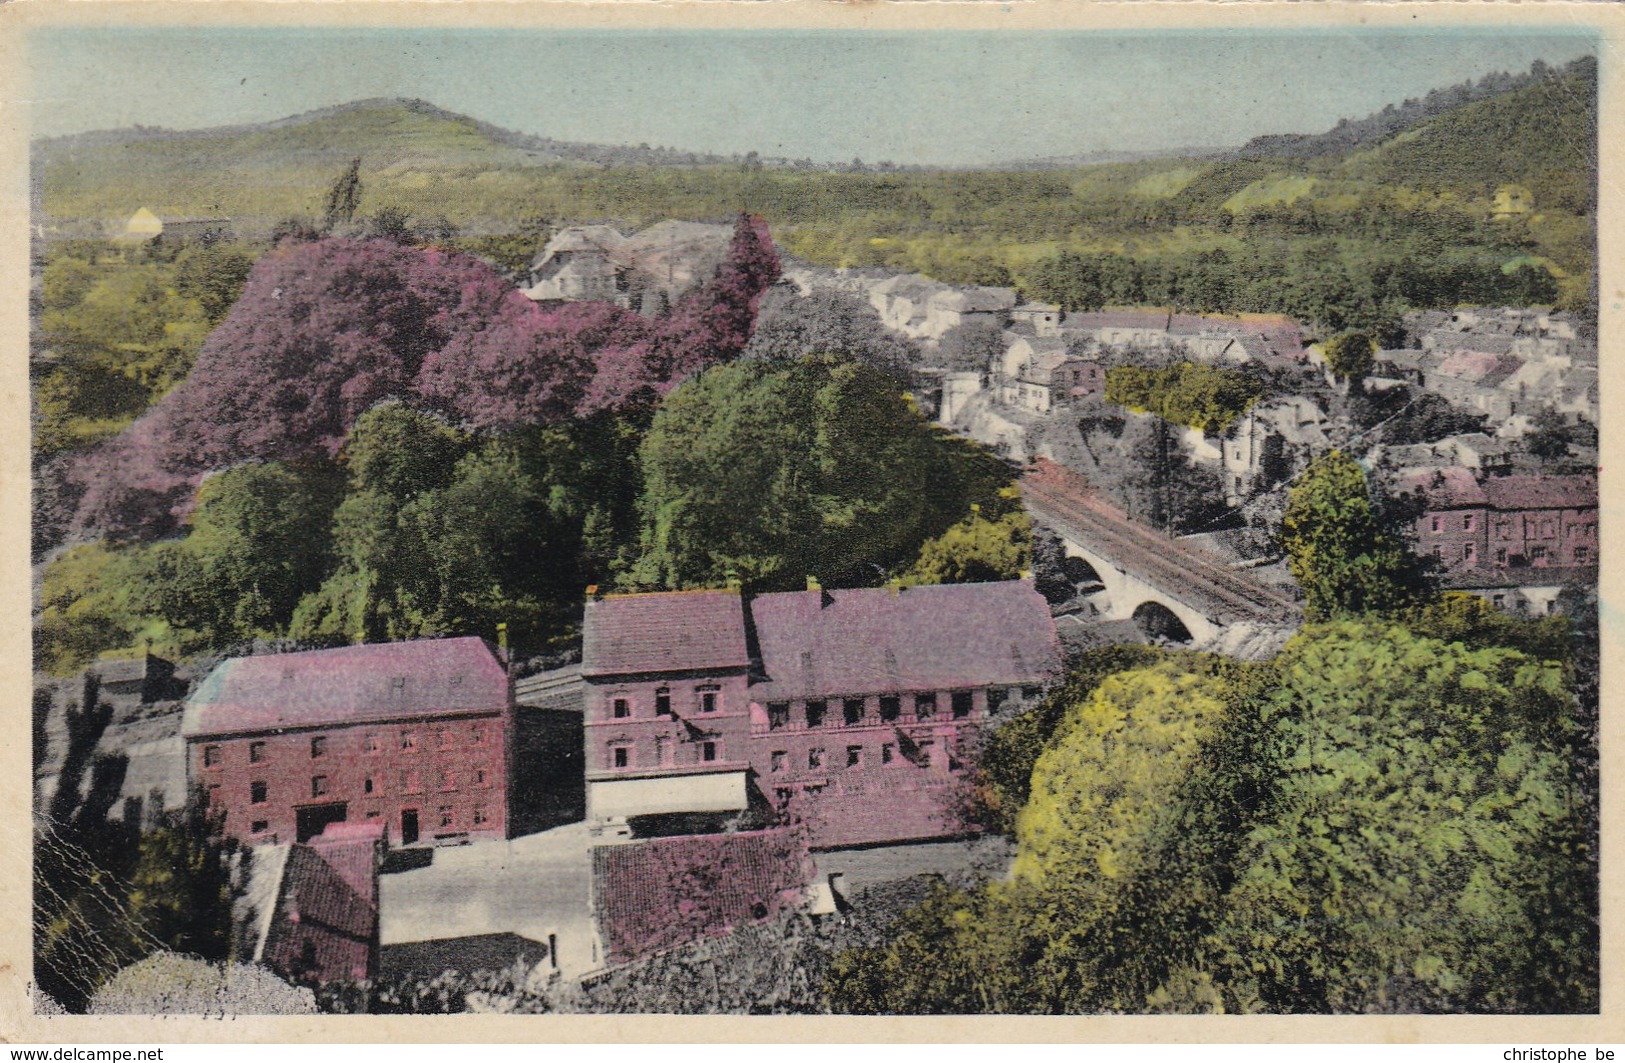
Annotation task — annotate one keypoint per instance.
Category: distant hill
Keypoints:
(283, 167)
(1350, 135)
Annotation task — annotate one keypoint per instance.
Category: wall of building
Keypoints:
(451, 771)
(648, 739)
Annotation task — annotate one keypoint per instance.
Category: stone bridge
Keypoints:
(1170, 589)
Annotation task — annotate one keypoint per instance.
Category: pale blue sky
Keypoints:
(947, 98)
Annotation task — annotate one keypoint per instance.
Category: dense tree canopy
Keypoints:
(1377, 821)
(779, 471)
(1343, 553)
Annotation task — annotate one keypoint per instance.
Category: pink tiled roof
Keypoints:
(1449, 488)
(678, 630)
(349, 684)
(664, 892)
(1534, 491)
(1480, 367)
(923, 638)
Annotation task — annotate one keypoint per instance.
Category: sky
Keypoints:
(918, 97)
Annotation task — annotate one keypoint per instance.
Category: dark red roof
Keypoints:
(676, 631)
(350, 684)
(1535, 491)
(664, 892)
(923, 638)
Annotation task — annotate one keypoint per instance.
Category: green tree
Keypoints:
(776, 472)
(260, 541)
(976, 550)
(214, 275)
(343, 198)
(1351, 356)
(1342, 553)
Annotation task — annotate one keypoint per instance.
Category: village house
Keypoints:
(848, 711)
(1473, 380)
(924, 309)
(645, 272)
(1040, 319)
(1026, 371)
(309, 911)
(1505, 522)
(412, 736)
(1271, 441)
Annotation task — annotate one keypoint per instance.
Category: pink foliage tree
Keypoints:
(327, 329)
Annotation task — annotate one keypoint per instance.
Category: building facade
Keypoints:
(853, 712)
(1506, 522)
(412, 736)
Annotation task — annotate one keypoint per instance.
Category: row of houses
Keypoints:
(796, 722)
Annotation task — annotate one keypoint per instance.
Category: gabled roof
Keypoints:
(1536, 491)
(674, 631)
(922, 638)
(1482, 368)
(350, 684)
(1449, 488)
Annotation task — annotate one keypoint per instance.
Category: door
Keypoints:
(313, 819)
(409, 826)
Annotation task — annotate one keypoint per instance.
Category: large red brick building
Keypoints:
(1499, 522)
(851, 711)
(414, 736)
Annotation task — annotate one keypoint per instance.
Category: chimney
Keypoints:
(733, 579)
(592, 592)
(895, 586)
(813, 584)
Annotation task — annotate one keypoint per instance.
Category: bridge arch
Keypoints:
(1125, 595)
(1160, 622)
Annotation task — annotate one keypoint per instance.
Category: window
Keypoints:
(256, 752)
(1030, 693)
(854, 756)
(620, 708)
(445, 817)
(373, 744)
(409, 740)
(318, 746)
(213, 797)
(708, 698)
(815, 758)
(366, 786)
(411, 783)
(925, 705)
(476, 735)
(852, 709)
(257, 793)
(662, 750)
(398, 682)
(479, 777)
(621, 756)
(1499, 599)
(318, 786)
(778, 714)
(891, 707)
(259, 826)
(448, 780)
(1438, 551)
(1501, 556)
(1438, 524)
(211, 756)
(815, 713)
(480, 818)
(663, 701)
(888, 753)
(1467, 522)
(708, 751)
(1582, 554)
(447, 739)
(962, 704)
(1537, 553)
(996, 697)
(1469, 552)
(777, 760)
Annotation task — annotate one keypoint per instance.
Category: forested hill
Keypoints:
(1352, 135)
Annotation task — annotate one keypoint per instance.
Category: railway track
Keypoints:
(1169, 566)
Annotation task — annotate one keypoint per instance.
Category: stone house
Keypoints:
(1505, 522)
